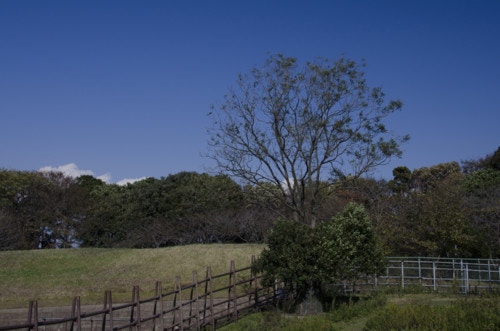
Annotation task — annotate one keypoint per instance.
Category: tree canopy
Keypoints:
(297, 125)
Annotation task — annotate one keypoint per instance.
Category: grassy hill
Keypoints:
(54, 277)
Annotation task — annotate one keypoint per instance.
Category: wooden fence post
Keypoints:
(194, 298)
(108, 307)
(255, 286)
(136, 304)
(159, 296)
(178, 289)
(232, 295)
(33, 315)
(76, 314)
(209, 288)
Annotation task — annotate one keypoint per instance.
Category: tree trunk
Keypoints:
(311, 304)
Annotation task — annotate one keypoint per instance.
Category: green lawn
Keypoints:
(54, 277)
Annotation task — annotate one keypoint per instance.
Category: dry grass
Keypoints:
(54, 277)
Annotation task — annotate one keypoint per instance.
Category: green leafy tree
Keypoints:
(431, 217)
(401, 181)
(296, 126)
(494, 161)
(427, 178)
(189, 193)
(342, 249)
(179, 209)
(347, 247)
(107, 222)
(483, 199)
(289, 255)
(39, 210)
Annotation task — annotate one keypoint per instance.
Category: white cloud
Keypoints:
(72, 170)
(126, 181)
(105, 177)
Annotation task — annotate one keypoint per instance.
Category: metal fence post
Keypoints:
(466, 278)
(387, 277)
(489, 275)
(434, 274)
(402, 274)
(419, 271)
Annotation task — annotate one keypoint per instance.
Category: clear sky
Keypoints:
(122, 89)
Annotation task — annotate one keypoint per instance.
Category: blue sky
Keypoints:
(122, 89)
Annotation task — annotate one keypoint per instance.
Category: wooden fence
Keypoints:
(200, 305)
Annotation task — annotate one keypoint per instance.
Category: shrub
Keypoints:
(342, 249)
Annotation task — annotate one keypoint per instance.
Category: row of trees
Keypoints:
(444, 210)
(49, 210)
(302, 139)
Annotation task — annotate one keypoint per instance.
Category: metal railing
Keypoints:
(460, 275)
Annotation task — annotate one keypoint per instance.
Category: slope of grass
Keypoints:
(54, 277)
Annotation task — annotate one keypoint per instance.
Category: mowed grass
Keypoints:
(55, 277)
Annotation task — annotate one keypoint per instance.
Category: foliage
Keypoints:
(289, 255)
(340, 250)
(491, 161)
(295, 126)
(428, 178)
(401, 181)
(483, 199)
(187, 207)
(346, 247)
(427, 214)
(38, 210)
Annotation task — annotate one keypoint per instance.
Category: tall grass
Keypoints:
(343, 312)
(54, 277)
(464, 314)
(378, 312)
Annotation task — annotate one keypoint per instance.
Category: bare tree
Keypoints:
(301, 126)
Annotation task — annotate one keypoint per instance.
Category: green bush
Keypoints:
(339, 250)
